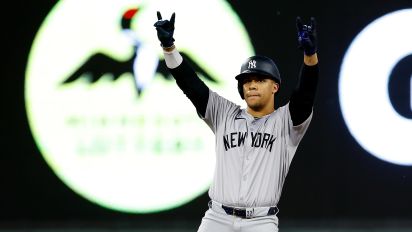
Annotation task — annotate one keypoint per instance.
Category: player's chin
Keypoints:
(253, 104)
(252, 98)
(250, 102)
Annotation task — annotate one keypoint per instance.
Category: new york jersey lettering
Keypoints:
(260, 140)
(234, 139)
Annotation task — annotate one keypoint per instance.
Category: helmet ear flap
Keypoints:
(240, 89)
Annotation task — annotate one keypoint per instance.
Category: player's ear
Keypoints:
(275, 87)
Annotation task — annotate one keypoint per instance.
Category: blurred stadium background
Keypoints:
(333, 184)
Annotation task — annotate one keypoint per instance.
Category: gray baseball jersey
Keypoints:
(253, 155)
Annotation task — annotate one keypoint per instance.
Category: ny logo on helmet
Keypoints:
(252, 64)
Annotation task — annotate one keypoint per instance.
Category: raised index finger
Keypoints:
(299, 24)
(159, 16)
(313, 23)
(172, 19)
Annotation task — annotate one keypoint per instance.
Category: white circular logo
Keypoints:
(105, 113)
(363, 88)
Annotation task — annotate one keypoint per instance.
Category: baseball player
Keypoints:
(254, 146)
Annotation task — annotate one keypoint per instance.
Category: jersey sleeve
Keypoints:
(218, 110)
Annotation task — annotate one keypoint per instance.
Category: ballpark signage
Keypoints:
(375, 87)
(105, 113)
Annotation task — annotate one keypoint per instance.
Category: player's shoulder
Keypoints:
(280, 112)
(283, 109)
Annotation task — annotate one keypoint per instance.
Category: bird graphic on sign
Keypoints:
(143, 64)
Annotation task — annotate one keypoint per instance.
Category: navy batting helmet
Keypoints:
(260, 65)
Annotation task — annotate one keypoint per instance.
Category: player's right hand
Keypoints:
(165, 30)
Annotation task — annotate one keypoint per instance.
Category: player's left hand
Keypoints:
(307, 37)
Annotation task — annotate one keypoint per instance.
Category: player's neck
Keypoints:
(258, 113)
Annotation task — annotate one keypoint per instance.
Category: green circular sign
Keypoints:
(108, 119)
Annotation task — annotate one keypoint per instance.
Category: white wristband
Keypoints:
(172, 58)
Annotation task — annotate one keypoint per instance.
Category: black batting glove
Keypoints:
(165, 30)
(307, 37)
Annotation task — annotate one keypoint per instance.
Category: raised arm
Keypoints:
(186, 78)
(303, 97)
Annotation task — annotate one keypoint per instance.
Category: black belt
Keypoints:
(239, 212)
